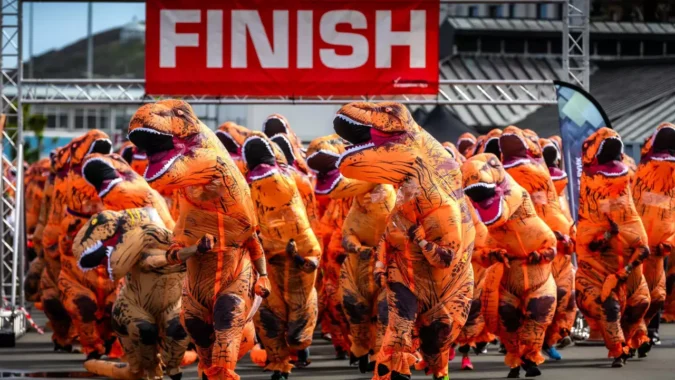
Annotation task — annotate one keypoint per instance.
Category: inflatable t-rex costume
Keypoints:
(322, 155)
(491, 144)
(522, 158)
(428, 239)
(232, 136)
(611, 245)
(653, 193)
(466, 143)
(120, 188)
(52, 211)
(36, 177)
(187, 158)
(88, 297)
(137, 159)
(132, 244)
(551, 149)
(519, 294)
(286, 320)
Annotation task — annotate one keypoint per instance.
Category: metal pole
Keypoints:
(90, 41)
(586, 9)
(30, 39)
(566, 41)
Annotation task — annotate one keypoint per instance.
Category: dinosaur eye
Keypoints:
(493, 163)
(94, 221)
(388, 110)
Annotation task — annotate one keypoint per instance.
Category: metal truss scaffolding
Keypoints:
(16, 91)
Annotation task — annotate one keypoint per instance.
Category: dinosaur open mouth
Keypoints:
(486, 200)
(162, 150)
(128, 154)
(273, 126)
(101, 175)
(464, 144)
(492, 146)
(552, 159)
(259, 158)
(608, 159)
(228, 142)
(285, 145)
(324, 164)
(99, 254)
(360, 135)
(103, 146)
(663, 148)
(514, 150)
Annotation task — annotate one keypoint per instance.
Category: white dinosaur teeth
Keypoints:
(351, 121)
(163, 170)
(149, 130)
(91, 148)
(109, 251)
(331, 187)
(264, 175)
(109, 187)
(353, 149)
(243, 148)
(480, 184)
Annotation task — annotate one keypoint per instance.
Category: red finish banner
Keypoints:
(291, 47)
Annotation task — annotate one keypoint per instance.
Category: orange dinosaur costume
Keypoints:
(36, 177)
(466, 143)
(131, 244)
(322, 155)
(551, 150)
(286, 320)
(491, 144)
(519, 294)
(187, 158)
(88, 297)
(611, 244)
(134, 157)
(428, 239)
(232, 136)
(523, 160)
(52, 211)
(653, 193)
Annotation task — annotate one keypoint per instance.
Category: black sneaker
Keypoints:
(278, 375)
(398, 376)
(177, 376)
(341, 354)
(514, 373)
(94, 355)
(303, 358)
(643, 350)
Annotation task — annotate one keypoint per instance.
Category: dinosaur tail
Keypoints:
(490, 296)
(111, 370)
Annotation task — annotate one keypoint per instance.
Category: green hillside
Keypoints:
(112, 59)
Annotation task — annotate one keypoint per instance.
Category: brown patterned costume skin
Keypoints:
(287, 318)
(52, 211)
(88, 297)
(186, 157)
(611, 245)
(131, 244)
(523, 160)
(429, 237)
(653, 193)
(551, 149)
(36, 177)
(519, 294)
(322, 154)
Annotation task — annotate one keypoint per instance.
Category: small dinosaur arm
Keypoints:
(186, 157)
(119, 187)
(429, 236)
(653, 191)
(87, 296)
(322, 155)
(522, 246)
(611, 246)
(292, 252)
(131, 244)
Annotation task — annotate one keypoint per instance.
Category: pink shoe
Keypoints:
(451, 354)
(466, 364)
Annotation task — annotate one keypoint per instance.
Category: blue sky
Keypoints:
(59, 24)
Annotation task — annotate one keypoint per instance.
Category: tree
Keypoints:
(35, 124)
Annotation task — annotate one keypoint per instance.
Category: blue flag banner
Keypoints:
(580, 115)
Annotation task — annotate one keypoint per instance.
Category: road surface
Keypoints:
(33, 357)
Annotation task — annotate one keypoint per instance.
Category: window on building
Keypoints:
(91, 119)
(542, 11)
(473, 11)
(496, 11)
(512, 10)
(79, 119)
(63, 119)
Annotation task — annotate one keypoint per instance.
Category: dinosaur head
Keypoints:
(518, 147)
(134, 157)
(261, 156)
(232, 136)
(661, 145)
(93, 141)
(111, 175)
(168, 132)
(110, 236)
(492, 143)
(276, 124)
(490, 189)
(602, 154)
(479, 147)
(39, 171)
(386, 142)
(60, 160)
(465, 143)
(454, 152)
(322, 156)
(553, 157)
